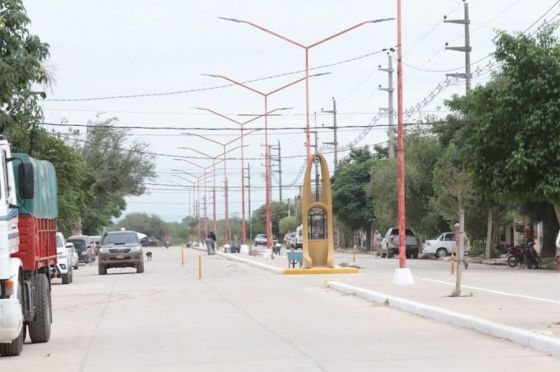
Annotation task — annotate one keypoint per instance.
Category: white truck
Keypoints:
(28, 213)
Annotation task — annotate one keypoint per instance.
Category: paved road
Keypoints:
(242, 319)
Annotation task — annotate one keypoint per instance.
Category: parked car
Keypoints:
(63, 268)
(148, 241)
(390, 243)
(444, 244)
(299, 237)
(82, 243)
(75, 260)
(260, 239)
(120, 249)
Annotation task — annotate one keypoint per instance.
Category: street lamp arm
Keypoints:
(199, 152)
(264, 29)
(347, 30)
(244, 135)
(285, 86)
(203, 137)
(234, 82)
(190, 162)
(218, 114)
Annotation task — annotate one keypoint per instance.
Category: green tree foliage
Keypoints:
(278, 210)
(22, 58)
(144, 223)
(351, 206)
(70, 174)
(422, 153)
(288, 224)
(152, 225)
(115, 169)
(514, 145)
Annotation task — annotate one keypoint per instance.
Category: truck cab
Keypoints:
(28, 213)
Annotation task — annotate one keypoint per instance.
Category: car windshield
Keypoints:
(408, 232)
(79, 244)
(120, 238)
(59, 242)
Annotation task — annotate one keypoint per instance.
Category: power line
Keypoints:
(195, 90)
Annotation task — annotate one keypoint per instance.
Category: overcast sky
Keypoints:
(132, 47)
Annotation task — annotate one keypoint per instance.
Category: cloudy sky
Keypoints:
(105, 49)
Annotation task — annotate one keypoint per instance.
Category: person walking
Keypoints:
(211, 244)
(465, 242)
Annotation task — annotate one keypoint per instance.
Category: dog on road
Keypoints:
(149, 255)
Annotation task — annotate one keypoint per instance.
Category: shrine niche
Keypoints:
(316, 209)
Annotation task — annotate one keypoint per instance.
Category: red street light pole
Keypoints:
(214, 178)
(306, 48)
(267, 171)
(224, 145)
(242, 125)
(198, 198)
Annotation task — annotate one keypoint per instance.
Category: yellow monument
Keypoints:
(317, 220)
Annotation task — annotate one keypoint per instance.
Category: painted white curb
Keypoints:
(233, 257)
(517, 335)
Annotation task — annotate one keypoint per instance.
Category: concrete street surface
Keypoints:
(239, 318)
(522, 298)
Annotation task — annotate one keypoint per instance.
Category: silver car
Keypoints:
(120, 249)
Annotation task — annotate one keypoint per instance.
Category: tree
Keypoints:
(288, 224)
(278, 210)
(352, 207)
(150, 225)
(115, 169)
(422, 153)
(514, 145)
(22, 60)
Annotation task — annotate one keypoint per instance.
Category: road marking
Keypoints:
(496, 292)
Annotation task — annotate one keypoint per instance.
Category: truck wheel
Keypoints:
(76, 266)
(16, 346)
(140, 268)
(40, 328)
(65, 278)
(102, 270)
(415, 254)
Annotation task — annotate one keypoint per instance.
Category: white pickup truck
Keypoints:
(390, 243)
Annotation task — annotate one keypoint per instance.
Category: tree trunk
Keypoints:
(368, 238)
(457, 292)
(488, 250)
(557, 211)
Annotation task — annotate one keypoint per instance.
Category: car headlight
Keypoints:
(103, 250)
(136, 249)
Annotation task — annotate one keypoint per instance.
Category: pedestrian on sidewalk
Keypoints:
(465, 242)
(211, 243)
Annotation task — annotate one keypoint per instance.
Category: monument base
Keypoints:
(403, 277)
(321, 270)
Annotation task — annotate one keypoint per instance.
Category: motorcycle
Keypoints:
(167, 243)
(524, 255)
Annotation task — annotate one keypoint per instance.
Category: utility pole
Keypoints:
(276, 160)
(465, 49)
(249, 201)
(316, 148)
(280, 170)
(390, 109)
(335, 130)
